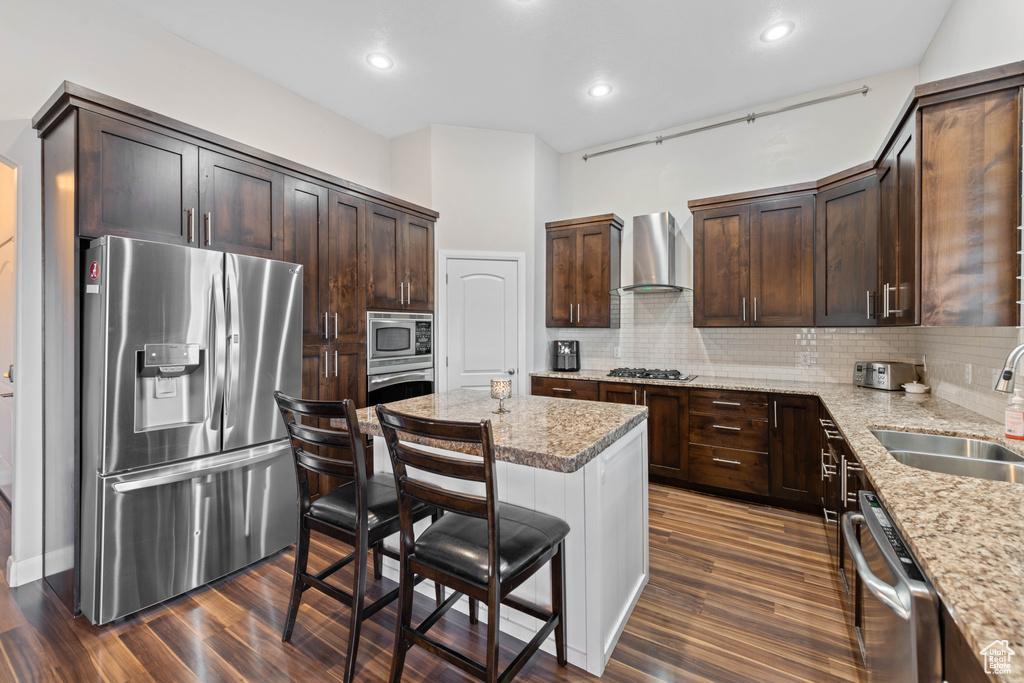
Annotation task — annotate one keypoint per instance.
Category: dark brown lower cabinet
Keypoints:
(667, 423)
(334, 373)
(794, 448)
(667, 431)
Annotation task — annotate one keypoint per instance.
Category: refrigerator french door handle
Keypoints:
(174, 478)
(218, 335)
(231, 356)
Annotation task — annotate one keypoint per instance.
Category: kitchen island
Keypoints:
(582, 461)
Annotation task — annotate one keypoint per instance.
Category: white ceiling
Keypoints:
(525, 65)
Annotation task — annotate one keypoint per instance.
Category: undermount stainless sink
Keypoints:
(953, 455)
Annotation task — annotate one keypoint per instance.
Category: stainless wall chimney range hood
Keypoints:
(654, 255)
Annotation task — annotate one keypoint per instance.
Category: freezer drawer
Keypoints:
(166, 530)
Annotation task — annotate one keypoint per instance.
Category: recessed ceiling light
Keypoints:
(379, 60)
(600, 90)
(777, 31)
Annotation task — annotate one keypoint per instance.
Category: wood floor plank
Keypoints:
(737, 592)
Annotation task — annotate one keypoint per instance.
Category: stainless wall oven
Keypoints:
(399, 356)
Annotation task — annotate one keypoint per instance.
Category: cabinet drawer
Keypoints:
(729, 432)
(582, 389)
(718, 402)
(729, 469)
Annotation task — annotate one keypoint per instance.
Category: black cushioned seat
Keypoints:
(339, 506)
(458, 543)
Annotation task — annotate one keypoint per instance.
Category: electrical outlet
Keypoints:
(617, 352)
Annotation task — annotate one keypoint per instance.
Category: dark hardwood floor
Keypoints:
(738, 592)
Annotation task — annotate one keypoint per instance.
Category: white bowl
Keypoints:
(916, 388)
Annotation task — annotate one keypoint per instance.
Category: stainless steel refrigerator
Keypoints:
(186, 473)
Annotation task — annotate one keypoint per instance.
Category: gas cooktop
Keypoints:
(644, 373)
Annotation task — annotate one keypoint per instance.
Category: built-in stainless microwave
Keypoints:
(396, 342)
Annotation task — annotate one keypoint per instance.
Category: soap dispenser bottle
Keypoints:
(1015, 417)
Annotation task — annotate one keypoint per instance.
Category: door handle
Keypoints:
(191, 224)
(7, 395)
(326, 335)
(335, 362)
(335, 325)
(401, 293)
(325, 365)
(511, 371)
(755, 309)
(884, 592)
(570, 312)
(579, 318)
(744, 309)
(9, 375)
(208, 218)
(176, 477)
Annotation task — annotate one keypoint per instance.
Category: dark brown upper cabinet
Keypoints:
(754, 264)
(583, 266)
(305, 243)
(140, 183)
(794, 448)
(721, 267)
(899, 246)
(134, 182)
(970, 208)
(241, 205)
(846, 254)
(399, 261)
(782, 262)
(416, 256)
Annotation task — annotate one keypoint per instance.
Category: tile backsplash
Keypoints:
(657, 331)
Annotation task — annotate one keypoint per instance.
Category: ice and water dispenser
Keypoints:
(170, 386)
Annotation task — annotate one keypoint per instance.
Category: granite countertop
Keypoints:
(548, 433)
(967, 533)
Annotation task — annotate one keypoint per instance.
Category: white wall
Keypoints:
(974, 35)
(101, 46)
(493, 189)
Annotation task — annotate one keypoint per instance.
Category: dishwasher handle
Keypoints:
(880, 589)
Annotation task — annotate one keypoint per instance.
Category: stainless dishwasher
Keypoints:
(898, 611)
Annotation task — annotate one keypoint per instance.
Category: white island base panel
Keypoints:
(607, 552)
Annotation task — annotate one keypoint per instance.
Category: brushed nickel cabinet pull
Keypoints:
(634, 397)
(335, 325)
(209, 227)
(755, 309)
(326, 334)
(734, 429)
(725, 403)
(191, 225)
(401, 293)
(744, 309)
(335, 362)
(560, 389)
(325, 365)
(728, 462)
(775, 409)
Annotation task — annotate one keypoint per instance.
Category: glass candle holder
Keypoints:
(501, 389)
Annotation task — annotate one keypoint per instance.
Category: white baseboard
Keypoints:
(24, 571)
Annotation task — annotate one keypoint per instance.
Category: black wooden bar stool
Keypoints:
(480, 547)
(361, 513)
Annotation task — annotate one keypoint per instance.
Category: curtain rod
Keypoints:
(749, 118)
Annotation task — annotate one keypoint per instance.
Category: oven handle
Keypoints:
(886, 594)
(381, 381)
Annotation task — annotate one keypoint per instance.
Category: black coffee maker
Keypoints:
(566, 356)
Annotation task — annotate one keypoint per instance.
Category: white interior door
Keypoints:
(8, 218)
(482, 330)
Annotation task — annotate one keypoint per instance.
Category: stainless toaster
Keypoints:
(887, 376)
